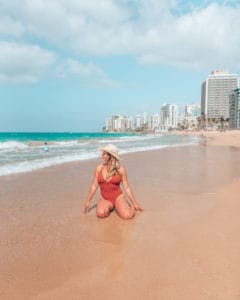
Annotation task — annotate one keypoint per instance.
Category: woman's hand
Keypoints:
(86, 206)
(137, 207)
(92, 190)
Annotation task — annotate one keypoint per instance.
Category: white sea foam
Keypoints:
(154, 147)
(127, 139)
(25, 158)
(27, 166)
(12, 145)
(68, 144)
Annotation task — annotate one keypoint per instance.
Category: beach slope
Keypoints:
(185, 245)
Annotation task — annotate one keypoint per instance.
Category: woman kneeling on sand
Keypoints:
(108, 176)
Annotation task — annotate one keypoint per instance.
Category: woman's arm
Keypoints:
(92, 190)
(128, 189)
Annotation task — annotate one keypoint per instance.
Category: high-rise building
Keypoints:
(119, 123)
(192, 111)
(129, 123)
(154, 122)
(138, 121)
(191, 114)
(145, 118)
(215, 93)
(234, 109)
(168, 116)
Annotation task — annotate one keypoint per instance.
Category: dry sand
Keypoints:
(216, 138)
(185, 245)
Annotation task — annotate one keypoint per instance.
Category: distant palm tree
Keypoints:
(222, 122)
(203, 120)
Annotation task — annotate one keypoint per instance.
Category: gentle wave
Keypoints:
(28, 166)
(12, 145)
(69, 144)
(151, 148)
(127, 139)
(34, 158)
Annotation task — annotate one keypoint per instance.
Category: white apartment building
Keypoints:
(215, 93)
(145, 118)
(129, 123)
(108, 124)
(234, 109)
(192, 111)
(112, 123)
(154, 122)
(138, 121)
(191, 114)
(168, 116)
(119, 123)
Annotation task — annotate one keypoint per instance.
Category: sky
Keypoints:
(67, 65)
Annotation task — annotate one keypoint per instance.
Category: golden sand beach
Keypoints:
(216, 138)
(184, 246)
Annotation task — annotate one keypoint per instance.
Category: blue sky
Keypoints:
(66, 65)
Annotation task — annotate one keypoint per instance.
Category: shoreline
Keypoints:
(229, 138)
(57, 156)
(190, 220)
(212, 138)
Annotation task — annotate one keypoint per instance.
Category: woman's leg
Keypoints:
(123, 209)
(104, 208)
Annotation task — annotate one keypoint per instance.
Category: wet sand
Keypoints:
(185, 245)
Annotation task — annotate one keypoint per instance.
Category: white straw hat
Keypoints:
(111, 149)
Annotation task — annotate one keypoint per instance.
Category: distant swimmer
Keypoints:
(46, 148)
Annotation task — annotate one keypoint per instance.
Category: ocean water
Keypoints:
(24, 152)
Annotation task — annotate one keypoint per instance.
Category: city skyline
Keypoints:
(169, 117)
(67, 65)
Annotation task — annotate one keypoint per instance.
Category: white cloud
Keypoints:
(83, 70)
(89, 73)
(157, 32)
(23, 63)
(10, 27)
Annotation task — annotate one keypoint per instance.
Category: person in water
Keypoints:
(46, 148)
(109, 176)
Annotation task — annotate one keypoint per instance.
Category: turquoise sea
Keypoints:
(24, 152)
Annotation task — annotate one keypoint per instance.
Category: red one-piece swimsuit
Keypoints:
(110, 189)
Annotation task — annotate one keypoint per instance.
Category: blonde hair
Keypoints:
(113, 165)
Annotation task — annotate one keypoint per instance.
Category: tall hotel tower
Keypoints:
(168, 116)
(215, 93)
(234, 109)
